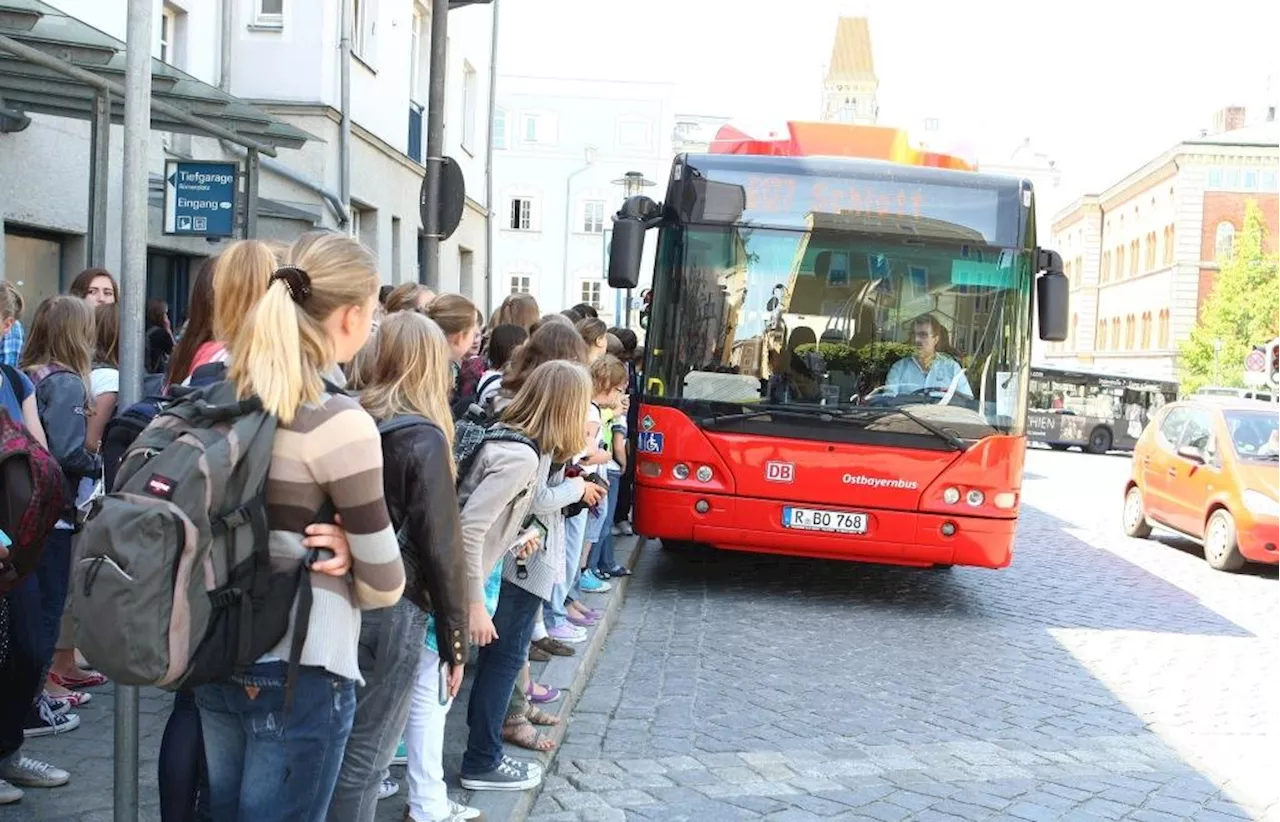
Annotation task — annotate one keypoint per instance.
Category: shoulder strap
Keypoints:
(500, 433)
(486, 382)
(14, 379)
(400, 422)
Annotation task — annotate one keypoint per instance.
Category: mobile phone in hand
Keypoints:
(443, 693)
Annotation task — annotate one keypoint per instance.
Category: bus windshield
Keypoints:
(847, 321)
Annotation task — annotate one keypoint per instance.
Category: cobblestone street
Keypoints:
(1097, 678)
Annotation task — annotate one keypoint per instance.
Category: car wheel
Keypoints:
(1135, 515)
(1221, 550)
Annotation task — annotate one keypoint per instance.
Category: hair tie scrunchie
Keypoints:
(296, 280)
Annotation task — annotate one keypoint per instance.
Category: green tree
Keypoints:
(1243, 311)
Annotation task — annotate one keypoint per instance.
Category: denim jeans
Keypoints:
(183, 784)
(265, 763)
(497, 667)
(22, 676)
(602, 551)
(391, 643)
(53, 575)
(574, 533)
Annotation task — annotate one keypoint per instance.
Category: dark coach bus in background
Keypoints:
(1095, 411)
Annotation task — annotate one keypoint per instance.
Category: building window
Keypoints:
(364, 13)
(1071, 335)
(1215, 178)
(1224, 241)
(168, 30)
(1079, 271)
(633, 133)
(1106, 267)
(417, 34)
(1162, 331)
(1146, 330)
(1115, 333)
(593, 216)
(1120, 262)
(269, 14)
(591, 293)
(499, 128)
(1151, 251)
(1168, 245)
(521, 214)
(1067, 269)
(1129, 332)
(520, 283)
(1133, 258)
(529, 128)
(470, 91)
(1101, 343)
(1268, 181)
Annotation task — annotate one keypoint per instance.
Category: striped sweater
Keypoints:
(332, 451)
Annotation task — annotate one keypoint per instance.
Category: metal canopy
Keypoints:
(51, 63)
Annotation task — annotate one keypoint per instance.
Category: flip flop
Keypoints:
(520, 731)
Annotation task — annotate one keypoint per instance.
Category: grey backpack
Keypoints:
(173, 584)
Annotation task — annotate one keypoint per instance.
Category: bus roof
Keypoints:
(810, 139)
(859, 167)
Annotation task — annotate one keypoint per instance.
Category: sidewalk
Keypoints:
(87, 751)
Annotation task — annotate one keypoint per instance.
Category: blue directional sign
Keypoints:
(200, 198)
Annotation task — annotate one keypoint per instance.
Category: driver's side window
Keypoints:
(1172, 425)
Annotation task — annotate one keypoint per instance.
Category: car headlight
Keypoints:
(1260, 504)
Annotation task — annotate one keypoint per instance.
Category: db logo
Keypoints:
(780, 471)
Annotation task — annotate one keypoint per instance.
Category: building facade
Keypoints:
(560, 149)
(286, 60)
(1142, 256)
(849, 90)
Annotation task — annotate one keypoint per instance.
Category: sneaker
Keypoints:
(32, 773)
(47, 721)
(510, 775)
(60, 705)
(568, 633)
(9, 794)
(460, 813)
(402, 755)
(592, 584)
(626, 529)
(388, 789)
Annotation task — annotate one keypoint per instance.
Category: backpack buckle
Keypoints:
(232, 520)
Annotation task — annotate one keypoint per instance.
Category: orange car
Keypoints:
(1207, 468)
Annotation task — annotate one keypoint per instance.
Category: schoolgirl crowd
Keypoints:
(433, 570)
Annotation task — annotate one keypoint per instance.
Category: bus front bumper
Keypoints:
(756, 525)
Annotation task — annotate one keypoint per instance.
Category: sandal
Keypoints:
(540, 717)
(518, 730)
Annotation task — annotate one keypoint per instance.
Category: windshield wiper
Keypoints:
(770, 411)
(946, 436)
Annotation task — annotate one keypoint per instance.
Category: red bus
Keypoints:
(837, 349)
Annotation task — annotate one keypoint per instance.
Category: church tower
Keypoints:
(849, 91)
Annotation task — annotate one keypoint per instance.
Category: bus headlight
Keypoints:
(975, 497)
(680, 471)
(951, 496)
(704, 473)
(1005, 500)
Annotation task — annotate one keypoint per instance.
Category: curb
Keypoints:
(570, 674)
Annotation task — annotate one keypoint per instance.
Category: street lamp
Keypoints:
(633, 183)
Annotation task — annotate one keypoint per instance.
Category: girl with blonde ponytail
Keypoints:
(317, 311)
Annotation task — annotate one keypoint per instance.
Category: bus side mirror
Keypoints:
(625, 250)
(1053, 305)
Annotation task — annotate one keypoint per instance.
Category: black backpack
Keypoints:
(473, 431)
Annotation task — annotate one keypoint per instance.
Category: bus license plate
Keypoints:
(813, 519)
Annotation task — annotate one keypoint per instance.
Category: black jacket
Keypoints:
(423, 502)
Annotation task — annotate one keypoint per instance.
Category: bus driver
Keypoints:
(928, 369)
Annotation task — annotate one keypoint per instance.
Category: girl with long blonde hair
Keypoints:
(317, 311)
(406, 389)
(551, 410)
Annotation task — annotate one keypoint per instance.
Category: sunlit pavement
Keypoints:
(1097, 678)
